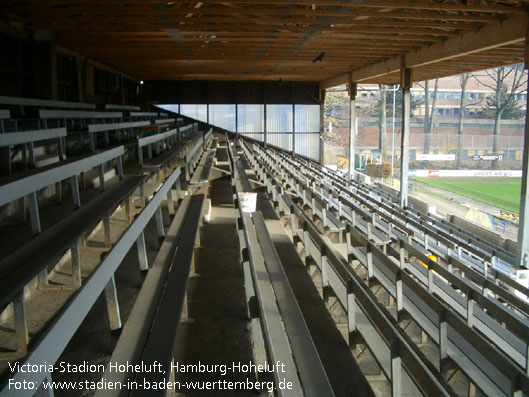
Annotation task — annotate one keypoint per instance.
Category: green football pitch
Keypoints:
(499, 192)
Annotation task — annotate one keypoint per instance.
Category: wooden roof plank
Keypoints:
(510, 31)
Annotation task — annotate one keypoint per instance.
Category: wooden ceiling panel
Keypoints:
(268, 40)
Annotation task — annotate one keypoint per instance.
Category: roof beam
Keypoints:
(508, 32)
(333, 6)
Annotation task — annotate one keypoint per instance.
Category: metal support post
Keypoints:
(443, 339)
(322, 126)
(75, 191)
(293, 126)
(159, 221)
(33, 206)
(405, 138)
(113, 304)
(106, 228)
(102, 177)
(31, 151)
(92, 138)
(236, 118)
(352, 129)
(396, 369)
(140, 155)
(351, 312)
(178, 189)
(170, 202)
(45, 391)
(142, 252)
(128, 209)
(522, 248)
(264, 125)
(120, 167)
(21, 325)
(76, 263)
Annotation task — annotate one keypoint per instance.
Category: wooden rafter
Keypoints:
(279, 39)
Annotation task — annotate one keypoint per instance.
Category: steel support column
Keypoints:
(522, 248)
(264, 125)
(322, 127)
(293, 119)
(405, 137)
(111, 296)
(352, 129)
(236, 118)
(293, 129)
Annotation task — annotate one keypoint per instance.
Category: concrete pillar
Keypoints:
(352, 130)
(405, 136)
(522, 248)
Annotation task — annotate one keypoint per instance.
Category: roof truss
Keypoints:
(267, 40)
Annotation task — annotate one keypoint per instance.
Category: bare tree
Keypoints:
(463, 79)
(429, 114)
(505, 82)
(337, 113)
(377, 110)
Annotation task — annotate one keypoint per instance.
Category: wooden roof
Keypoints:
(268, 40)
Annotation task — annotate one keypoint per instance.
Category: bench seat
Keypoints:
(201, 174)
(162, 159)
(150, 331)
(214, 144)
(27, 262)
(161, 342)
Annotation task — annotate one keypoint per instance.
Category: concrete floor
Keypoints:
(219, 331)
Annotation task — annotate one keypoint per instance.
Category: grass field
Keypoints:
(500, 192)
